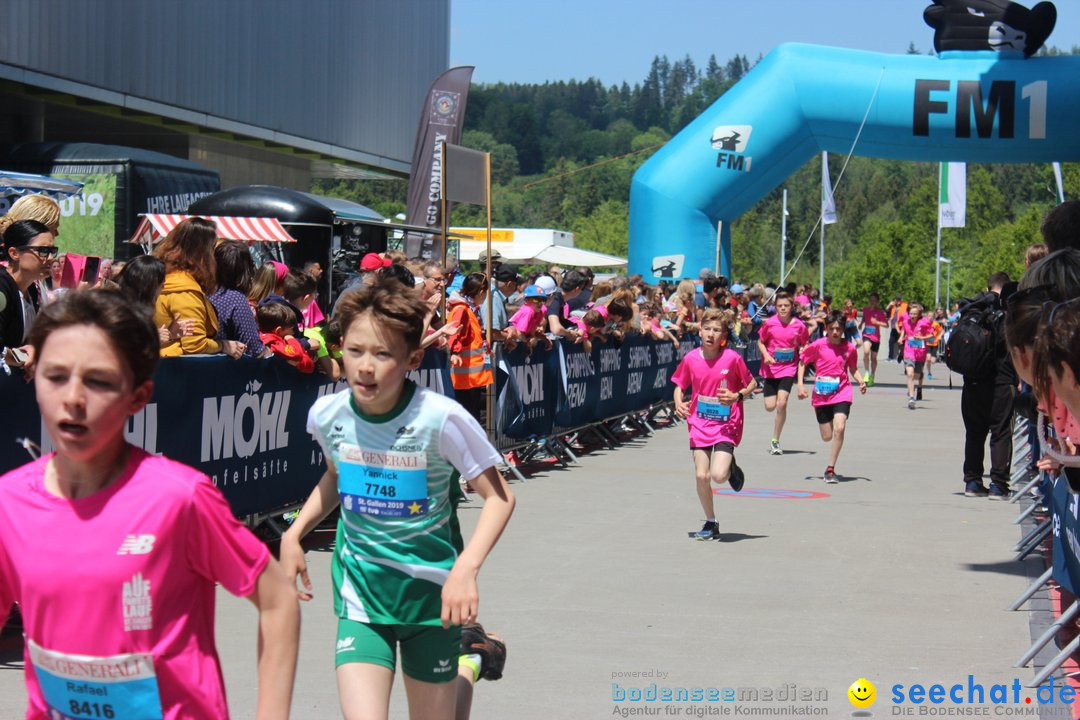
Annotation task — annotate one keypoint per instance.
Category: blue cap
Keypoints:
(534, 291)
(736, 288)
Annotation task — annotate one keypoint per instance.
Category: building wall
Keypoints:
(350, 74)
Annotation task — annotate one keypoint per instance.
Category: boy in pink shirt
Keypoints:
(873, 320)
(116, 553)
(833, 358)
(915, 330)
(720, 382)
(779, 340)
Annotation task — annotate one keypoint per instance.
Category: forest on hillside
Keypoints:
(564, 153)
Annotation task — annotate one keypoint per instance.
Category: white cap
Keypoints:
(547, 283)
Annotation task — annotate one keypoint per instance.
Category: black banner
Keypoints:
(441, 120)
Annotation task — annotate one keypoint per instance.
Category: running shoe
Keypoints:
(929, 375)
(492, 651)
(774, 448)
(737, 478)
(975, 489)
(996, 492)
(709, 531)
(830, 475)
(918, 394)
(911, 403)
(869, 380)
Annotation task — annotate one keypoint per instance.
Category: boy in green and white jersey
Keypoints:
(394, 454)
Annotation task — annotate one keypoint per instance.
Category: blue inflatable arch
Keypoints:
(972, 106)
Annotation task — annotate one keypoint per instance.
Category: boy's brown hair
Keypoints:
(298, 284)
(402, 312)
(272, 315)
(726, 318)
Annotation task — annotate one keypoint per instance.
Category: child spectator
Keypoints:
(529, 318)
(276, 327)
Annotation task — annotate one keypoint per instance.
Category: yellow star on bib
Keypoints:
(414, 509)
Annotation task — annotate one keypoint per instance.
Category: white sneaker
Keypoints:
(911, 403)
(774, 448)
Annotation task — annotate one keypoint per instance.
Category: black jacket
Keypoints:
(11, 313)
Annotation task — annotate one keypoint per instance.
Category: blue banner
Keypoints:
(241, 422)
(528, 388)
(1065, 507)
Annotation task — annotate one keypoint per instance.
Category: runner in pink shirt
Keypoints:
(873, 320)
(915, 330)
(115, 553)
(720, 382)
(779, 340)
(833, 358)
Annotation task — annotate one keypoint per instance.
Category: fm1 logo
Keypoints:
(968, 101)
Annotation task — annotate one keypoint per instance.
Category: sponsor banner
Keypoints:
(1066, 546)
(615, 379)
(528, 389)
(441, 121)
(247, 429)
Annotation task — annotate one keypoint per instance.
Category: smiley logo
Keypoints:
(862, 693)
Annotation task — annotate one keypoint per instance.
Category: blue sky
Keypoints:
(616, 40)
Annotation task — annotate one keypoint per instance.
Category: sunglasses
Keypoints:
(42, 251)
(1035, 294)
(1053, 311)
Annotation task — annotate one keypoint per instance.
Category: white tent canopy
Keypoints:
(518, 245)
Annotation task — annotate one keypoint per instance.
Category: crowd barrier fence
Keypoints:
(1050, 516)
(243, 422)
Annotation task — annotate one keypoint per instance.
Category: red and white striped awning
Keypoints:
(153, 227)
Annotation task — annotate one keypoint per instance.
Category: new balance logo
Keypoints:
(136, 545)
(345, 644)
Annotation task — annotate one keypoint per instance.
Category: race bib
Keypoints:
(82, 686)
(784, 355)
(711, 408)
(384, 483)
(870, 331)
(825, 385)
(915, 343)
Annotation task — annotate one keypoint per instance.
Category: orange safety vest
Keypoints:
(470, 346)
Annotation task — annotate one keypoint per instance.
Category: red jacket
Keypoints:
(290, 349)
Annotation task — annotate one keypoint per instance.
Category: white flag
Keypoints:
(1060, 182)
(952, 205)
(828, 205)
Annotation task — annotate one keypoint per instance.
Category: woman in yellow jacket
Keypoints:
(468, 348)
(188, 254)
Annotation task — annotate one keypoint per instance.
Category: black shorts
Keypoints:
(875, 345)
(825, 413)
(775, 385)
(727, 447)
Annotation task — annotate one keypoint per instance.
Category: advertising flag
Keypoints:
(441, 121)
(828, 205)
(952, 206)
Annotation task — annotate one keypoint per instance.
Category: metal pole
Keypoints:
(948, 289)
(937, 256)
(489, 393)
(783, 240)
(821, 282)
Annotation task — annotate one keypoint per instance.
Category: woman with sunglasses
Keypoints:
(28, 247)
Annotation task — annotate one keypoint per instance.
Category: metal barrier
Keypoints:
(1048, 522)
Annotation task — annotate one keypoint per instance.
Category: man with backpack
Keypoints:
(977, 350)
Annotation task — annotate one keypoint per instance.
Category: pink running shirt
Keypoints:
(527, 318)
(117, 589)
(785, 340)
(705, 377)
(831, 365)
(915, 349)
(871, 331)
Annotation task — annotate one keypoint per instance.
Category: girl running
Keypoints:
(915, 330)
(779, 340)
(833, 359)
(873, 320)
(115, 553)
(720, 382)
